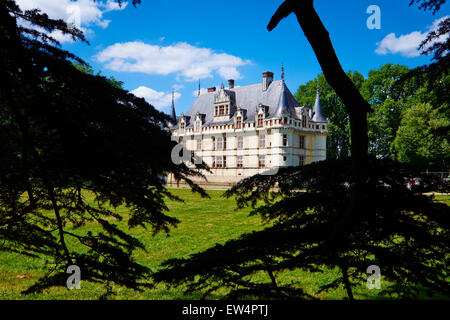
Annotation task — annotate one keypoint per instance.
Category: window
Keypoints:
(317, 126)
(199, 144)
(302, 142)
(240, 142)
(216, 111)
(301, 160)
(221, 110)
(213, 143)
(182, 125)
(198, 125)
(239, 162)
(284, 158)
(219, 162)
(224, 142)
(285, 140)
(304, 122)
(238, 122)
(219, 143)
(261, 161)
(260, 120)
(226, 109)
(262, 141)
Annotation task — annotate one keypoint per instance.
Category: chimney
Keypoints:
(230, 84)
(211, 89)
(267, 79)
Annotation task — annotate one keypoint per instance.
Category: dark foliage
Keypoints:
(66, 135)
(430, 74)
(433, 5)
(401, 230)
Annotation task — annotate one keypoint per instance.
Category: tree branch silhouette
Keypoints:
(357, 106)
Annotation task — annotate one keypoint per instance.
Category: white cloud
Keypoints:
(229, 73)
(81, 13)
(408, 44)
(183, 59)
(158, 99)
(177, 86)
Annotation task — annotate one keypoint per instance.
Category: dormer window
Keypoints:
(223, 103)
(304, 122)
(260, 119)
(238, 122)
(198, 125)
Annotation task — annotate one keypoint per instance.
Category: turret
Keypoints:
(317, 112)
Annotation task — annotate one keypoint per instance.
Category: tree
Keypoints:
(417, 141)
(401, 230)
(86, 68)
(66, 134)
(437, 43)
(356, 105)
(389, 94)
(404, 232)
(338, 139)
(389, 99)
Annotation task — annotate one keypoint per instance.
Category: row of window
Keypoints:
(197, 125)
(221, 110)
(221, 161)
(221, 142)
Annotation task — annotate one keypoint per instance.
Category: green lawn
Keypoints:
(204, 222)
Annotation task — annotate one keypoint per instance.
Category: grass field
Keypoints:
(204, 222)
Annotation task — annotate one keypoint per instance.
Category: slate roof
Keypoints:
(317, 111)
(277, 98)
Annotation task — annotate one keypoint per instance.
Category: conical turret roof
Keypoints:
(317, 115)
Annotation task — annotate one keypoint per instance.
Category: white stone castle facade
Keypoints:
(242, 131)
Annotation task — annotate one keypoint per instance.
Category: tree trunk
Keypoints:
(347, 284)
(51, 194)
(356, 105)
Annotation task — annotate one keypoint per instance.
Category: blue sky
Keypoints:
(161, 44)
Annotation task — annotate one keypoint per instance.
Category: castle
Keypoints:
(242, 131)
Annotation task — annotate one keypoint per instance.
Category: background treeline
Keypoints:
(410, 120)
